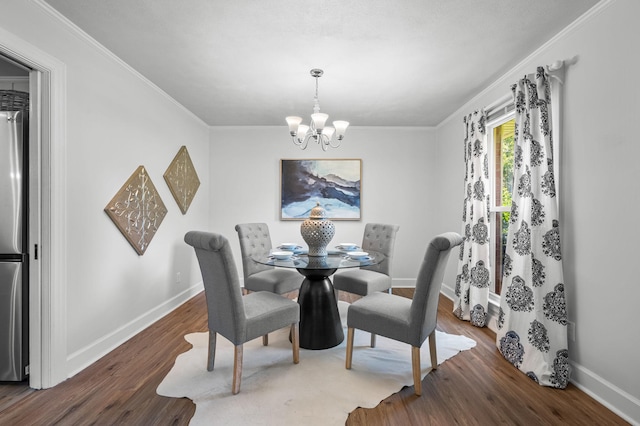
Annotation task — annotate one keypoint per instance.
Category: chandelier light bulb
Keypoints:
(302, 132)
(328, 132)
(341, 128)
(294, 123)
(319, 119)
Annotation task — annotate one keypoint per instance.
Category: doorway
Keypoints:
(14, 229)
(47, 199)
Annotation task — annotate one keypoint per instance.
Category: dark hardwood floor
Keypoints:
(476, 387)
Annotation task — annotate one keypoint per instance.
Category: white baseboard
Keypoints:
(612, 397)
(86, 356)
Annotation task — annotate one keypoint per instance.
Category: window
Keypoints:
(501, 140)
(501, 143)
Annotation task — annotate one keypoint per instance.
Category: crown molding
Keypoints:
(81, 34)
(505, 81)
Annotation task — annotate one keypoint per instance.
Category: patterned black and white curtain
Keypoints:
(532, 323)
(472, 281)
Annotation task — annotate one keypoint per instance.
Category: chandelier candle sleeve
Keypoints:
(317, 130)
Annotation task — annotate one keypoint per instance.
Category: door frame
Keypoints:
(47, 188)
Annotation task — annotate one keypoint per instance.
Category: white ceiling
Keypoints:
(386, 62)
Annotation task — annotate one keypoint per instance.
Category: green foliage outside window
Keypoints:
(507, 179)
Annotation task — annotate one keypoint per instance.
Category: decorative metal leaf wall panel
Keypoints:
(137, 210)
(182, 179)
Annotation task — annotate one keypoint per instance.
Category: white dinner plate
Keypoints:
(282, 255)
(360, 259)
(347, 246)
(358, 255)
(288, 246)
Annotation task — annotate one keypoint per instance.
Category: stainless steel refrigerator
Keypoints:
(13, 246)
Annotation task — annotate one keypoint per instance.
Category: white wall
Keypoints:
(115, 122)
(599, 189)
(398, 185)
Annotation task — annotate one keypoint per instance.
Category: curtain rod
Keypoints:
(499, 104)
(556, 65)
(555, 70)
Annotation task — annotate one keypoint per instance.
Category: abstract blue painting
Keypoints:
(335, 184)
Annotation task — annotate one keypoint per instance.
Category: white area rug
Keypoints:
(317, 391)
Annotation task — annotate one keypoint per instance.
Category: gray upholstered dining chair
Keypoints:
(369, 279)
(236, 317)
(255, 240)
(407, 320)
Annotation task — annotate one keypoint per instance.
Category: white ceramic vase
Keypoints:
(317, 231)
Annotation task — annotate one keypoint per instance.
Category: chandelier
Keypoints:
(316, 130)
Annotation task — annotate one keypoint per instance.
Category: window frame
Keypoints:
(502, 115)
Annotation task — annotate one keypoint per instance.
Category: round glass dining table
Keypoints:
(320, 326)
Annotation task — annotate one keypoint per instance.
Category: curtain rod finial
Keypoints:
(556, 65)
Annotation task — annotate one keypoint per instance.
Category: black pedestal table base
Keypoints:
(320, 326)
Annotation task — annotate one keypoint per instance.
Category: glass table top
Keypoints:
(333, 260)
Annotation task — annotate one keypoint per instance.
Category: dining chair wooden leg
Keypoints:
(432, 350)
(295, 342)
(415, 361)
(237, 369)
(349, 347)
(211, 356)
(265, 340)
(373, 340)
